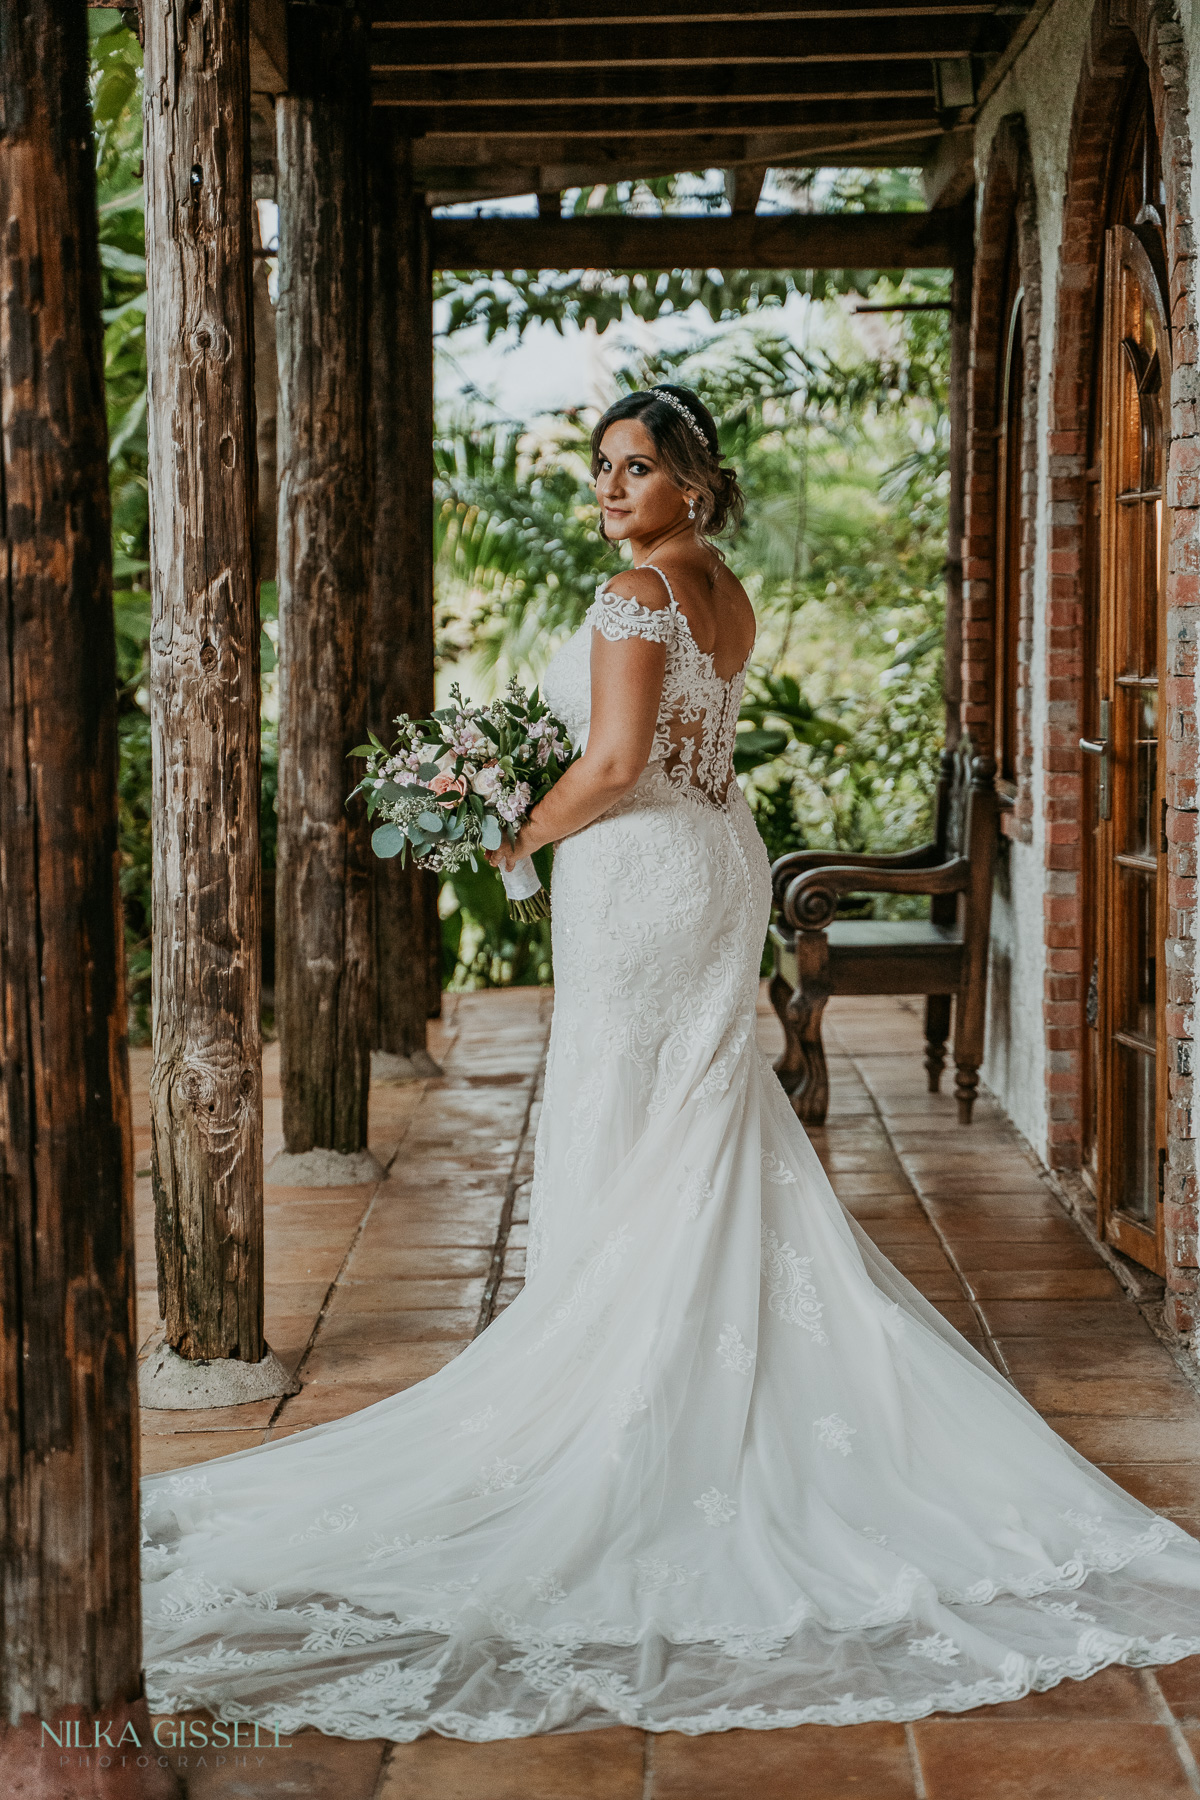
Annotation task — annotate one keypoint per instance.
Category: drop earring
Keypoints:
(691, 509)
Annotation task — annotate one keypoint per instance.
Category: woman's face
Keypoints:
(637, 497)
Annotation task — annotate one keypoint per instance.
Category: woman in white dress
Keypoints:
(719, 1464)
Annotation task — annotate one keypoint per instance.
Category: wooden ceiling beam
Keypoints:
(782, 241)
(461, 186)
(684, 46)
(492, 162)
(646, 123)
(464, 15)
(761, 82)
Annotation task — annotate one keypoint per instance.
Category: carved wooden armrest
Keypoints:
(798, 862)
(810, 900)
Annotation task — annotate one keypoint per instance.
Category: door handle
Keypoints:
(1099, 748)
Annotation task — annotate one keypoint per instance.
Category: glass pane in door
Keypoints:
(1137, 1173)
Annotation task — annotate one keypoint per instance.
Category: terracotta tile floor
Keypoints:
(371, 1290)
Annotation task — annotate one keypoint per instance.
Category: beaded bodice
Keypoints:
(697, 714)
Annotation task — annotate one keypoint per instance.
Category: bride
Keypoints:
(719, 1464)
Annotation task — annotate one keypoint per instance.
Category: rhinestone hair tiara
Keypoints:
(688, 417)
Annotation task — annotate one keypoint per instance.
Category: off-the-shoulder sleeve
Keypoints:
(616, 617)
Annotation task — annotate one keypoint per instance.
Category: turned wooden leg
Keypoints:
(966, 1084)
(810, 1099)
(792, 1067)
(968, 1043)
(937, 1030)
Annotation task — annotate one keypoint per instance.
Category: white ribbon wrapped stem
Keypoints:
(522, 881)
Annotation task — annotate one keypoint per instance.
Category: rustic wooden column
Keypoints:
(401, 641)
(206, 1086)
(323, 989)
(963, 239)
(70, 1646)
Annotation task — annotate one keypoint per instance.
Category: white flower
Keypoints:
(625, 1405)
(732, 1352)
(717, 1507)
(834, 1431)
(486, 782)
(186, 1485)
(476, 1422)
(937, 1649)
(547, 1587)
(332, 1520)
(695, 1193)
(654, 1572)
(1066, 1609)
(513, 806)
(791, 1293)
(384, 1548)
(776, 1170)
(496, 1477)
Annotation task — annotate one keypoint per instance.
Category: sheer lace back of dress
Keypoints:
(698, 712)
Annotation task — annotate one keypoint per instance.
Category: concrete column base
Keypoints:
(168, 1382)
(387, 1066)
(323, 1168)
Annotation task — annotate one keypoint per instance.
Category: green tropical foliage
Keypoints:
(843, 456)
(842, 453)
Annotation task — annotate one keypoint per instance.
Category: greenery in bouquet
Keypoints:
(458, 783)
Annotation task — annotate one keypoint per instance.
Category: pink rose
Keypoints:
(443, 784)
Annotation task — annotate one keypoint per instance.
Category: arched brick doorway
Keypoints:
(1001, 537)
(1131, 63)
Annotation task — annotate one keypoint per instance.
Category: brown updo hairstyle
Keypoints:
(685, 457)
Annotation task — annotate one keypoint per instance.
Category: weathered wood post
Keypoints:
(324, 998)
(70, 1628)
(206, 1087)
(401, 640)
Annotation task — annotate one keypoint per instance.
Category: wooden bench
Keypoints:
(943, 957)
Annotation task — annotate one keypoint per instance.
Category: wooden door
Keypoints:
(1128, 807)
(1010, 463)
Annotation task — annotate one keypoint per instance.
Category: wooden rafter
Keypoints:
(466, 15)
(650, 122)
(549, 46)
(793, 241)
(679, 84)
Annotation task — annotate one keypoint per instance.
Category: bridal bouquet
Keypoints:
(459, 782)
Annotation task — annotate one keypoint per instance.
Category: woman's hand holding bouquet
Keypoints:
(463, 783)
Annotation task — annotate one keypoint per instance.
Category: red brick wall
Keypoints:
(1116, 41)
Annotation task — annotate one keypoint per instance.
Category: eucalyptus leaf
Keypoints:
(490, 836)
(387, 840)
(430, 822)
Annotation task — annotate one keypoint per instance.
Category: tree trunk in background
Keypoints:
(401, 641)
(70, 1629)
(206, 1088)
(323, 990)
(960, 358)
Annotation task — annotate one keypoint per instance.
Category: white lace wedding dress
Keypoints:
(719, 1464)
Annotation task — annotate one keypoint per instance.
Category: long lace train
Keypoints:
(719, 1464)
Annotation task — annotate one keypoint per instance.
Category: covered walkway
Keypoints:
(369, 1291)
